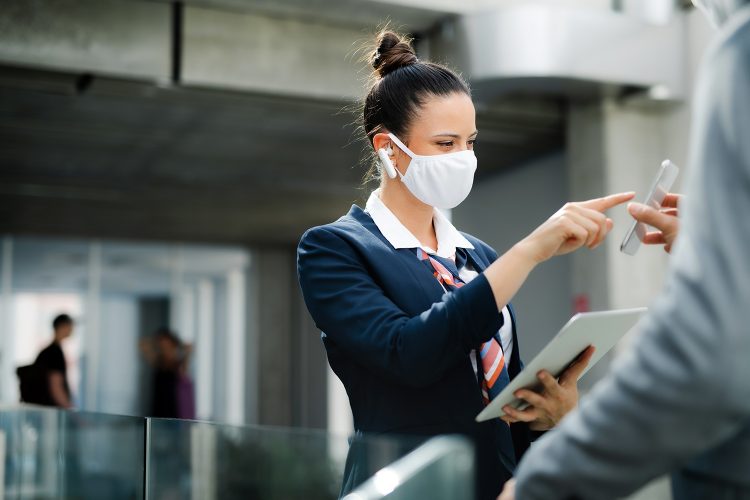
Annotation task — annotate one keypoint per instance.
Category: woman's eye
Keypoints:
(446, 144)
(472, 143)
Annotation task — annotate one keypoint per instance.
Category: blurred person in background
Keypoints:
(172, 393)
(679, 401)
(415, 315)
(52, 369)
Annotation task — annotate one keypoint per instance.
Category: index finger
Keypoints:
(607, 202)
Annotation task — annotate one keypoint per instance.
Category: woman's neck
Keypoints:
(412, 213)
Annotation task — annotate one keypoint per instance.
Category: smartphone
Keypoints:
(659, 190)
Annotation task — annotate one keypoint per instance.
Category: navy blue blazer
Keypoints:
(400, 344)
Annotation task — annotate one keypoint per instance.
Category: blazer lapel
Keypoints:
(433, 290)
(477, 262)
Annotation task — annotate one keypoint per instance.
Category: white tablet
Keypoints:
(600, 329)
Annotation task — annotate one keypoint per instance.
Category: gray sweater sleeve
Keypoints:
(685, 385)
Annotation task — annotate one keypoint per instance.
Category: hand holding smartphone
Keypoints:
(662, 184)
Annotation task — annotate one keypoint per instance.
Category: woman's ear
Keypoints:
(382, 145)
(382, 141)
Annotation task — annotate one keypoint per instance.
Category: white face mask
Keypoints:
(441, 181)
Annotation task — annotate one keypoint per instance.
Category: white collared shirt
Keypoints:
(449, 239)
(397, 235)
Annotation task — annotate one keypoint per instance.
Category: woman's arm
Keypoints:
(352, 310)
(575, 225)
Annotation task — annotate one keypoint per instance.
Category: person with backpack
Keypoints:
(46, 381)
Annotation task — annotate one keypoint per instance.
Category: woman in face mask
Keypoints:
(415, 315)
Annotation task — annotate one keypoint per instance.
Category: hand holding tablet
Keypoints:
(559, 396)
(601, 330)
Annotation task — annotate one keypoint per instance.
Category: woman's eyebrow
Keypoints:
(454, 135)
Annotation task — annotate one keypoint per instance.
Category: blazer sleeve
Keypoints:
(685, 387)
(354, 312)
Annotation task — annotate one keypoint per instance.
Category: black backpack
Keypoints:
(34, 386)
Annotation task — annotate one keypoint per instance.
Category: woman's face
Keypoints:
(445, 124)
(168, 348)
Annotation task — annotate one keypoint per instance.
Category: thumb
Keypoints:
(576, 368)
(652, 217)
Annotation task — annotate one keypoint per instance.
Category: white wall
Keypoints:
(118, 356)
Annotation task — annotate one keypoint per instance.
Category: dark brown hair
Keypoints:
(61, 320)
(402, 84)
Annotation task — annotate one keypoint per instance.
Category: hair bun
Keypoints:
(392, 52)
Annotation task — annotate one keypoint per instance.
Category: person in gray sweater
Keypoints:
(679, 400)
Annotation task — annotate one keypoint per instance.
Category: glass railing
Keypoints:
(49, 454)
(210, 461)
(53, 454)
(440, 469)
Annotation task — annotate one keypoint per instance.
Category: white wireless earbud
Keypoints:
(385, 160)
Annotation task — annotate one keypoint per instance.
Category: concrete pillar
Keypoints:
(204, 350)
(182, 310)
(618, 145)
(311, 376)
(291, 364)
(252, 343)
(502, 210)
(612, 148)
(7, 377)
(176, 296)
(235, 353)
(615, 147)
(186, 322)
(636, 144)
(2, 469)
(273, 323)
(93, 328)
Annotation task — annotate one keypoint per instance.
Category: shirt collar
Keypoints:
(398, 236)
